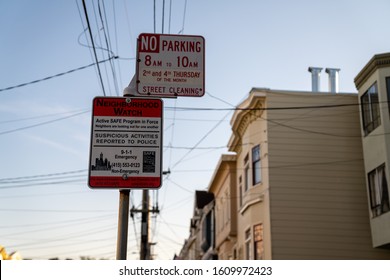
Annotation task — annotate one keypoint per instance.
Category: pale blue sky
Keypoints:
(248, 44)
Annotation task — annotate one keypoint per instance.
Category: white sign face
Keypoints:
(170, 65)
(126, 143)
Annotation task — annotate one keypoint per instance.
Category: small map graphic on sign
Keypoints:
(149, 162)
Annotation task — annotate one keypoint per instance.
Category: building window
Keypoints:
(240, 190)
(370, 109)
(388, 92)
(207, 232)
(219, 214)
(248, 244)
(256, 165)
(379, 194)
(258, 241)
(227, 207)
(235, 254)
(246, 173)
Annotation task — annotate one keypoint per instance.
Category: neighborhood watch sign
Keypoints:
(126, 143)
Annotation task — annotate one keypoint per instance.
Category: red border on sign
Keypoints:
(118, 182)
(157, 38)
(114, 107)
(126, 107)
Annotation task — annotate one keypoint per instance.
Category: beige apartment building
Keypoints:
(373, 84)
(200, 245)
(307, 175)
(224, 187)
(301, 180)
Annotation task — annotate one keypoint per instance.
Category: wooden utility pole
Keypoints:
(145, 244)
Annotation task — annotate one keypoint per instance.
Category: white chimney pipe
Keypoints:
(333, 79)
(315, 78)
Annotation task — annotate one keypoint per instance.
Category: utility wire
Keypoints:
(107, 29)
(29, 185)
(72, 221)
(154, 16)
(116, 42)
(42, 179)
(40, 116)
(93, 46)
(42, 123)
(179, 186)
(56, 225)
(170, 16)
(90, 232)
(58, 75)
(44, 175)
(84, 32)
(200, 141)
(81, 252)
(108, 43)
(163, 14)
(128, 23)
(98, 38)
(219, 99)
(311, 131)
(262, 109)
(184, 18)
(43, 195)
(55, 211)
(90, 47)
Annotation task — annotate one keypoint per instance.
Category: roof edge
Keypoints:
(376, 62)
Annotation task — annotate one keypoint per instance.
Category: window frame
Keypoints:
(248, 242)
(379, 191)
(246, 173)
(258, 241)
(256, 165)
(240, 193)
(371, 116)
(388, 92)
(226, 208)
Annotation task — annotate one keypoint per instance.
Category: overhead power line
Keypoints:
(43, 179)
(93, 46)
(200, 141)
(58, 75)
(184, 18)
(42, 116)
(58, 223)
(44, 175)
(29, 185)
(261, 108)
(54, 210)
(43, 123)
(108, 43)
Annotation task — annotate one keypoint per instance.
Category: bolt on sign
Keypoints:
(170, 65)
(126, 143)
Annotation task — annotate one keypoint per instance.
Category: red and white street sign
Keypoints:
(126, 143)
(170, 65)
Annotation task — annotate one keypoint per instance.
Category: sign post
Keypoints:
(123, 224)
(170, 65)
(126, 144)
(126, 138)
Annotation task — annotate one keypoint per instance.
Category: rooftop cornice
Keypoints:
(378, 61)
(242, 118)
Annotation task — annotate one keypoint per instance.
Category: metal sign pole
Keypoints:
(123, 225)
